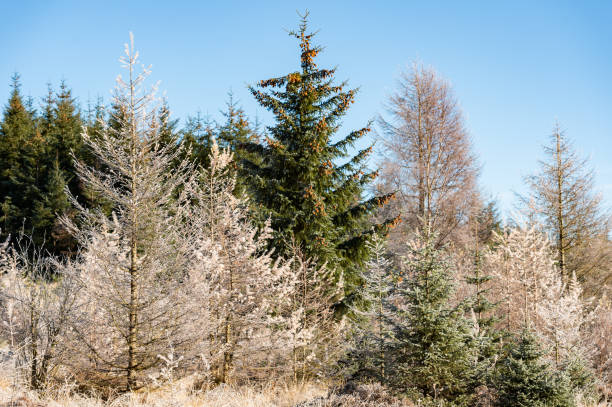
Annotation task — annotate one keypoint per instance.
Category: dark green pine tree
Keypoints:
(197, 136)
(308, 185)
(168, 127)
(234, 132)
(65, 138)
(47, 211)
(526, 380)
(434, 349)
(21, 165)
(94, 125)
(60, 127)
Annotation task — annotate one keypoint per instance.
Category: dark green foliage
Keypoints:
(168, 127)
(487, 338)
(581, 377)
(310, 187)
(36, 166)
(525, 380)
(434, 350)
(22, 171)
(488, 222)
(235, 131)
(61, 132)
(197, 136)
(55, 202)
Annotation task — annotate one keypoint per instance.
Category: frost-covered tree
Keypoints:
(600, 333)
(563, 315)
(312, 332)
(534, 294)
(369, 354)
(524, 268)
(246, 290)
(37, 304)
(131, 264)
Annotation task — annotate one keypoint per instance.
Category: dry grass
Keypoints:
(180, 393)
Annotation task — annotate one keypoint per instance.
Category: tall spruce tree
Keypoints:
(309, 186)
(21, 165)
(60, 127)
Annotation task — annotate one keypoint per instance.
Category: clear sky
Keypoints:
(515, 66)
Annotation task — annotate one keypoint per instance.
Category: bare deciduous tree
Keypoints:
(532, 293)
(36, 307)
(562, 196)
(428, 155)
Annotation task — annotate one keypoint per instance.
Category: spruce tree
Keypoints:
(233, 132)
(66, 133)
(487, 337)
(21, 165)
(309, 186)
(368, 355)
(526, 380)
(197, 136)
(168, 127)
(60, 127)
(433, 349)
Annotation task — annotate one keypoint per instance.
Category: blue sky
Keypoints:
(515, 67)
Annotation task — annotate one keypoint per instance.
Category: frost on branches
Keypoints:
(533, 294)
(36, 304)
(369, 352)
(132, 264)
(235, 278)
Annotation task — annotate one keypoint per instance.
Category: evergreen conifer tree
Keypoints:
(168, 127)
(526, 380)
(60, 129)
(21, 165)
(487, 337)
(197, 136)
(308, 185)
(433, 349)
(368, 355)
